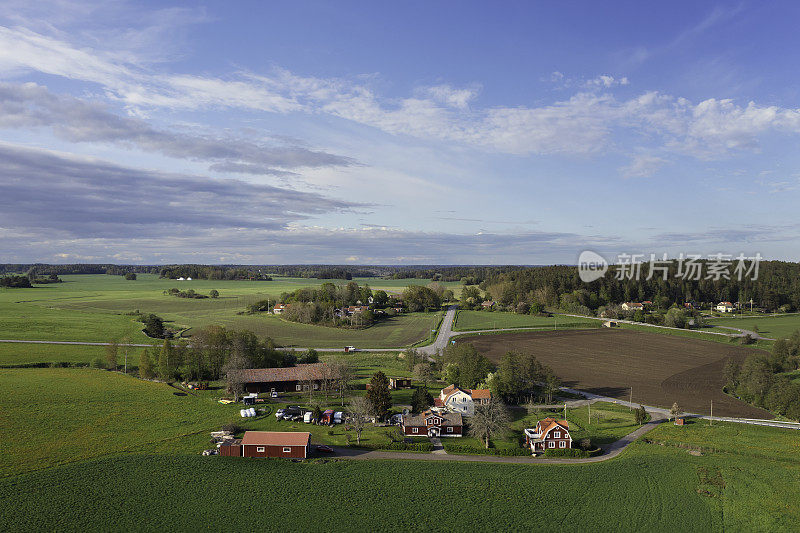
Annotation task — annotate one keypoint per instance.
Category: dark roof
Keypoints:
(302, 372)
(449, 419)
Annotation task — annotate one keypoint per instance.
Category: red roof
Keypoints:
(480, 394)
(276, 438)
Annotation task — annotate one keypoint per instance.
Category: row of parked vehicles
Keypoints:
(296, 413)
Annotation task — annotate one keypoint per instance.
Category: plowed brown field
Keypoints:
(662, 369)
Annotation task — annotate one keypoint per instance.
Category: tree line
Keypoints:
(559, 286)
(762, 381)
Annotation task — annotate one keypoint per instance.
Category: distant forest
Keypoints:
(777, 286)
(469, 274)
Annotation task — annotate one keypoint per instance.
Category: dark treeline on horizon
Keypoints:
(778, 282)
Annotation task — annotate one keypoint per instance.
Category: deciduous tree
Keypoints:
(490, 419)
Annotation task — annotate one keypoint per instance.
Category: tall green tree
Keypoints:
(421, 399)
(166, 361)
(378, 395)
(112, 349)
(146, 370)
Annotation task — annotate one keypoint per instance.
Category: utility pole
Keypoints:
(630, 403)
(590, 411)
(711, 418)
(565, 410)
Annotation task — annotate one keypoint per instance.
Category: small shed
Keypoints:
(679, 421)
(231, 448)
(399, 383)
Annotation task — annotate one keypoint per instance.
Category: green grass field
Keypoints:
(17, 354)
(474, 320)
(97, 308)
(90, 448)
(754, 487)
(776, 327)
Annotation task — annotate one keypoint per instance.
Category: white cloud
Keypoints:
(450, 96)
(643, 166)
(605, 81)
(585, 123)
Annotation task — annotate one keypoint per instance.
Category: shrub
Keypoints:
(466, 449)
(567, 452)
(232, 427)
(399, 446)
(98, 363)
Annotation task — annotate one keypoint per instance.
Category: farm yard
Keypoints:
(97, 308)
(662, 369)
(474, 320)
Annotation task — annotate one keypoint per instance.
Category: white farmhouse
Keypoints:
(462, 400)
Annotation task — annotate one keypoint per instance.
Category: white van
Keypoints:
(338, 417)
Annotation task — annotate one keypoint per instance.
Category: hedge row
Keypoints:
(572, 452)
(55, 364)
(398, 446)
(472, 450)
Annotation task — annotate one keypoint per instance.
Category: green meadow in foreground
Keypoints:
(92, 448)
(649, 488)
(98, 308)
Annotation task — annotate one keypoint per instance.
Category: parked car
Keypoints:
(338, 417)
(349, 349)
(274, 394)
(325, 449)
(280, 413)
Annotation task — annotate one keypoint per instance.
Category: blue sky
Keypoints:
(378, 133)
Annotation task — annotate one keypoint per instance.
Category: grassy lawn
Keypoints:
(16, 354)
(473, 320)
(65, 415)
(776, 327)
(610, 422)
(96, 308)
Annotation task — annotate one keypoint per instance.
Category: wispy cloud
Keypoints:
(30, 105)
(582, 124)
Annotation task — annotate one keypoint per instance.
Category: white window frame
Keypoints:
(260, 449)
(557, 434)
(414, 430)
(298, 387)
(449, 429)
(551, 444)
(562, 444)
(287, 449)
(316, 386)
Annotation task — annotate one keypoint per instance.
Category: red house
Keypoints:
(290, 444)
(433, 424)
(549, 434)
